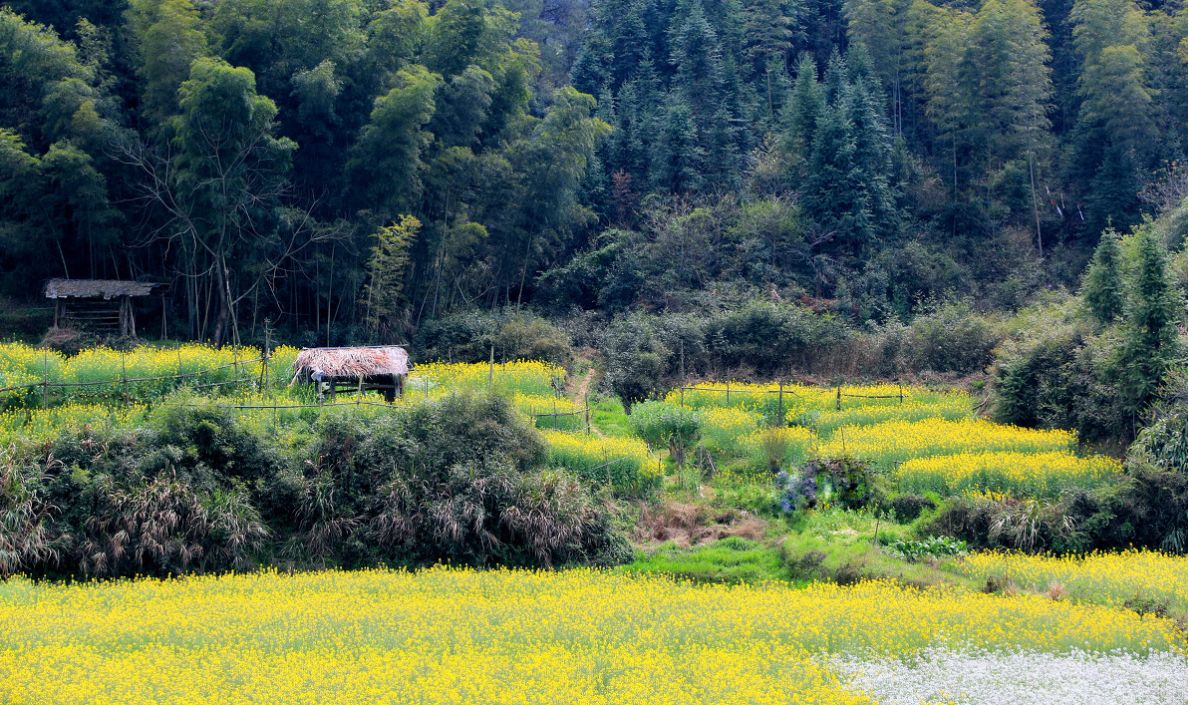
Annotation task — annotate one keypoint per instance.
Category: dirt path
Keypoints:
(583, 387)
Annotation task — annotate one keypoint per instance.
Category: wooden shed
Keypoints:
(99, 305)
(375, 367)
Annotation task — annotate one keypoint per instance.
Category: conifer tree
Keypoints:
(805, 107)
(1150, 346)
(1102, 288)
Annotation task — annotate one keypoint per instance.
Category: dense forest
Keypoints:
(360, 169)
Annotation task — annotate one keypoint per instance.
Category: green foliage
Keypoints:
(1150, 343)
(1102, 286)
(458, 479)
(728, 560)
(386, 269)
(665, 425)
(931, 548)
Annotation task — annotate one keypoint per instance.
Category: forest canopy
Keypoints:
(357, 169)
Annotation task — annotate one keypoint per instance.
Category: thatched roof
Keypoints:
(97, 288)
(353, 362)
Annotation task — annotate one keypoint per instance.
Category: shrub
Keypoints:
(771, 337)
(909, 507)
(516, 335)
(952, 338)
(661, 425)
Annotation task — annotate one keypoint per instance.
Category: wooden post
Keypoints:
(124, 373)
(57, 311)
(682, 396)
(727, 393)
(839, 397)
(781, 406)
(491, 370)
(265, 377)
(44, 378)
(901, 392)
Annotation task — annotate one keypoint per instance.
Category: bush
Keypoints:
(516, 335)
(952, 338)
(454, 479)
(770, 337)
(909, 507)
(662, 425)
(638, 362)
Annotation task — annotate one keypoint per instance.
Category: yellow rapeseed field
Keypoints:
(1012, 473)
(1140, 579)
(523, 376)
(892, 442)
(454, 636)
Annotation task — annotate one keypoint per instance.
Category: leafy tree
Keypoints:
(1114, 128)
(386, 270)
(385, 164)
(222, 195)
(168, 38)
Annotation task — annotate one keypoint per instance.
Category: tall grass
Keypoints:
(623, 464)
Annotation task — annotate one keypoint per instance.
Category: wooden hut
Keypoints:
(98, 305)
(380, 367)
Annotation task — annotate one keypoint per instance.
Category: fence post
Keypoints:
(265, 376)
(780, 422)
(44, 378)
(728, 394)
(682, 397)
(491, 369)
(124, 373)
(839, 397)
(901, 392)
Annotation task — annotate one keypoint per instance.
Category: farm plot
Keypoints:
(452, 636)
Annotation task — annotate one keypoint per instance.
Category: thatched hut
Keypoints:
(382, 367)
(100, 305)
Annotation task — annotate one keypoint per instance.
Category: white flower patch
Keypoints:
(943, 676)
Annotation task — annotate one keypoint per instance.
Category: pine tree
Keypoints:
(833, 196)
(677, 158)
(1102, 288)
(805, 107)
(872, 156)
(1150, 346)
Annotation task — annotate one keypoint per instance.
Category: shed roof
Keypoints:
(97, 288)
(354, 362)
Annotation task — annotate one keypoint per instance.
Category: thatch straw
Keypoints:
(352, 362)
